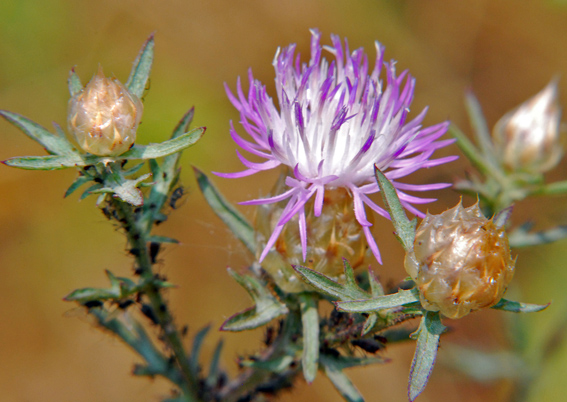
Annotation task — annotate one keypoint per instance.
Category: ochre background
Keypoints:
(505, 50)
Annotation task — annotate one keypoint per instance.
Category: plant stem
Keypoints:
(247, 383)
(138, 239)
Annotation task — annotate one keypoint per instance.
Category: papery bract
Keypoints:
(460, 261)
(335, 121)
(528, 137)
(104, 116)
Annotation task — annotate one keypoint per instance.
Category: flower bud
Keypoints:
(104, 116)
(332, 236)
(528, 137)
(460, 261)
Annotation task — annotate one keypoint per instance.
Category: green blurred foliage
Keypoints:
(504, 50)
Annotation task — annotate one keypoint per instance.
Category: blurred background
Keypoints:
(505, 50)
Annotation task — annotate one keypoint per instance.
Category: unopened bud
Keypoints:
(460, 261)
(332, 236)
(528, 137)
(104, 116)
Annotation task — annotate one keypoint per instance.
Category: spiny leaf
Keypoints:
(266, 308)
(339, 379)
(236, 222)
(165, 148)
(329, 286)
(74, 83)
(428, 335)
(79, 181)
(196, 350)
(401, 298)
(140, 73)
(310, 325)
(517, 307)
(405, 229)
(54, 144)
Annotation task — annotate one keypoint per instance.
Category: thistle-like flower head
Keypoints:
(460, 261)
(528, 137)
(336, 119)
(104, 116)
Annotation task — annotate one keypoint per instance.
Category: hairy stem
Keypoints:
(138, 240)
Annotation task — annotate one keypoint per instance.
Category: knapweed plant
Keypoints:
(339, 131)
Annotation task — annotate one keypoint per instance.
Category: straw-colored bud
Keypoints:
(528, 137)
(460, 261)
(332, 236)
(104, 116)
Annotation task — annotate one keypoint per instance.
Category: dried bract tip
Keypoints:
(461, 261)
(104, 116)
(333, 235)
(528, 137)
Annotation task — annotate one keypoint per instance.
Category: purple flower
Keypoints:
(335, 121)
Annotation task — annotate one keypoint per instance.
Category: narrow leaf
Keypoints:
(375, 285)
(162, 239)
(329, 286)
(369, 323)
(405, 229)
(165, 148)
(91, 190)
(517, 307)
(381, 302)
(90, 294)
(470, 151)
(235, 221)
(54, 144)
(428, 335)
(74, 83)
(140, 73)
(79, 181)
(52, 162)
(310, 324)
(479, 125)
(339, 379)
(266, 308)
(196, 350)
(213, 375)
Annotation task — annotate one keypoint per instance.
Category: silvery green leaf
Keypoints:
(276, 364)
(375, 285)
(369, 323)
(470, 151)
(53, 143)
(401, 298)
(165, 148)
(428, 333)
(266, 308)
(162, 239)
(331, 287)
(196, 350)
(405, 229)
(91, 190)
(479, 125)
(140, 73)
(235, 221)
(126, 190)
(74, 83)
(310, 324)
(344, 362)
(213, 374)
(339, 379)
(79, 181)
(517, 307)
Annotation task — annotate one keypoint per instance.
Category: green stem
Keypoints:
(138, 239)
